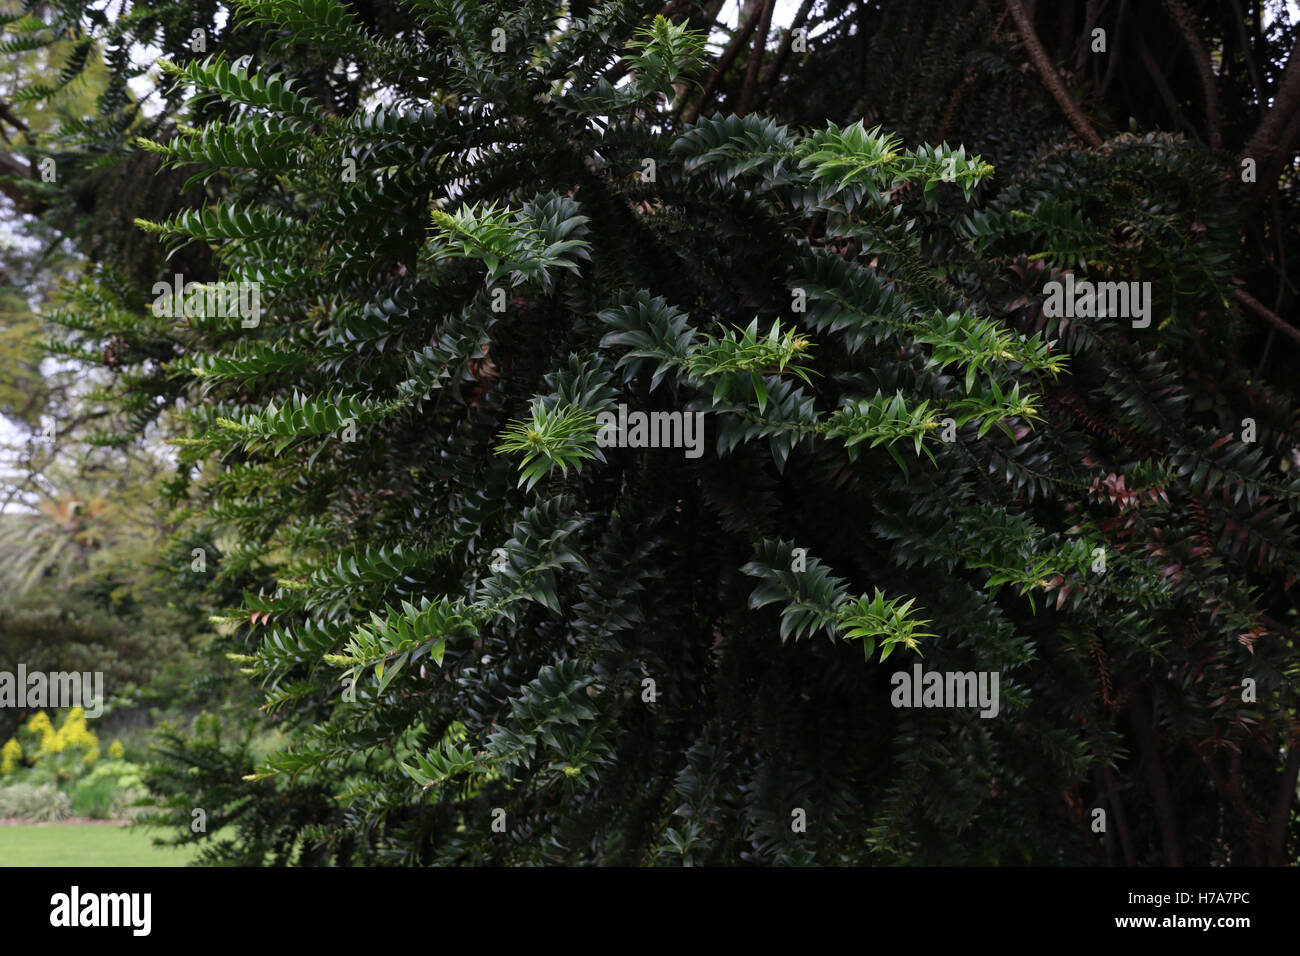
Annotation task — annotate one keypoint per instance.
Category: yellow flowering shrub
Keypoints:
(41, 727)
(65, 750)
(75, 734)
(10, 754)
(116, 751)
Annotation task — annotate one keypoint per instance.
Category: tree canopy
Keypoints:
(470, 277)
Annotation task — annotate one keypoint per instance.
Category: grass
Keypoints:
(83, 844)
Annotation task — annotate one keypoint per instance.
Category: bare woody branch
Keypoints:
(1272, 142)
(1267, 314)
(755, 59)
(1188, 27)
(23, 198)
(724, 63)
(1051, 79)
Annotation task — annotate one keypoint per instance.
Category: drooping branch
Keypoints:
(1209, 85)
(698, 17)
(1090, 12)
(755, 59)
(1162, 86)
(1111, 795)
(1284, 104)
(959, 94)
(723, 65)
(1116, 44)
(8, 116)
(773, 70)
(1251, 821)
(1051, 79)
(1161, 796)
(1281, 629)
(12, 168)
(1271, 143)
(1282, 808)
(1240, 21)
(1271, 170)
(1267, 314)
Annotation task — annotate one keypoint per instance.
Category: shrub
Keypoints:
(39, 734)
(65, 753)
(94, 798)
(121, 773)
(74, 734)
(40, 803)
(120, 780)
(11, 756)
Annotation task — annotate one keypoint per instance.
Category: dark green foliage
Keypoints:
(452, 595)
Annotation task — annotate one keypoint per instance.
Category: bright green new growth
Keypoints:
(553, 436)
(666, 53)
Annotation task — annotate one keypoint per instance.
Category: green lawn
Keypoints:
(77, 844)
